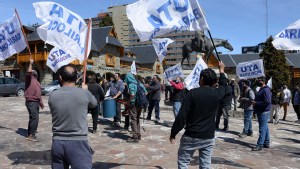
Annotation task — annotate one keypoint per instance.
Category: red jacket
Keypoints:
(32, 88)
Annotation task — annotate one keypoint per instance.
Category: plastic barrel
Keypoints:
(109, 108)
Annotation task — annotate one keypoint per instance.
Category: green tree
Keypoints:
(106, 21)
(275, 65)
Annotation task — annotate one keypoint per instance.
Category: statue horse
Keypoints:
(202, 44)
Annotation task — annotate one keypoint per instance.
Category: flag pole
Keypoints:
(86, 49)
(21, 25)
(212, 41)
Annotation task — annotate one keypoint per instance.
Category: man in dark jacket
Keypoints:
(154, 97)
(262, 106)
(224, 108)
(33, 101)
(98, 92)
(197, 115)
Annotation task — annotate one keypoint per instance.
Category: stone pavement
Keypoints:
(153, 151)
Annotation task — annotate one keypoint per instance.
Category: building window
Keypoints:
(110, 60)
(158, 71)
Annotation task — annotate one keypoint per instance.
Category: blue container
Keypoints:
(109, 108)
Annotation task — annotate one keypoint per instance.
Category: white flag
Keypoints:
(251, 69)
(289, 38)
(154, 18)
(161, 46)
(270, 83)
(62, 28)
(11, 38)
(133, 68)
(174, 72)
(58, 58)
(192, 81)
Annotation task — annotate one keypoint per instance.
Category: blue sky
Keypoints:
(242, 22)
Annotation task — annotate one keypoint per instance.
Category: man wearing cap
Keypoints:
(235, 92)
(33, 101)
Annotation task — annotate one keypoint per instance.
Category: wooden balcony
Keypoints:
(37, 57)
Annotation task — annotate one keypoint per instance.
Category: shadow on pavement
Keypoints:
(109, 165)
(230, 132)
(5, 128)
(293, 131)
(22, 132)
(31, 157)
(219, 161)
(291, 140)
(234, 141)
(118, 135)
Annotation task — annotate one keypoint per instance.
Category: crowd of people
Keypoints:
(199, 110)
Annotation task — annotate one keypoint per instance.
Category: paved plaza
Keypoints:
(154, 150)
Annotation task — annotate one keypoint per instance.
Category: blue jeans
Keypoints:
(248, 122)
(264, 133)
(187, 148)
(176, 108)
(152, 104)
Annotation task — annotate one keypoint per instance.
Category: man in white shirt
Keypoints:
(286, 101)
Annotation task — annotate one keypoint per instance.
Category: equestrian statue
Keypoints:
(202, 44)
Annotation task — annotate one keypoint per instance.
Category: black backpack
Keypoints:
(140, 99)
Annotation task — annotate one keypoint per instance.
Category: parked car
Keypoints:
(11, 86)
(47, 89)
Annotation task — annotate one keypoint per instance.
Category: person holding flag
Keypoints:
(197, 115)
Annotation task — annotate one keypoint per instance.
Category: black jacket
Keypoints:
(198, 111)
(97, 91)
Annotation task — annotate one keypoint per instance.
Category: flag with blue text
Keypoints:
(62, 28)
(11, 38)
(161, 46)
(289, 38)
(58, 58)
(192, 81)
(152, 18)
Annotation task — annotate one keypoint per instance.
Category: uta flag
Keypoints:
(11, 38)
(161, 46)
(289, 38)
(192, 81)
(152, 18)
(62, 28)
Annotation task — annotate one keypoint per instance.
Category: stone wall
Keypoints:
(1, 66)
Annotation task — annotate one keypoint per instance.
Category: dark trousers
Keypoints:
(168, 92)
(117, 117)
(153, 103)
(223, 110)
(76, 153)
(296, 108)
(95, 115)
(33, 110)
(135, 114)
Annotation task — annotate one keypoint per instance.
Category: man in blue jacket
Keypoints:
(262, 106)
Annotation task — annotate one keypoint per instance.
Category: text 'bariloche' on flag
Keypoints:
(289, 38)
(58, 58)
(174, 72)
(133, 68)
(152, 18)
(250, 69)
(192, 81)
(11, 38)
(161, 47)
(62, 28)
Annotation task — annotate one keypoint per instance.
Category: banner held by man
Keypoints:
(174, 72)
(250, 69)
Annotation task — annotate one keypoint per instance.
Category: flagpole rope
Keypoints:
(25, 37)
